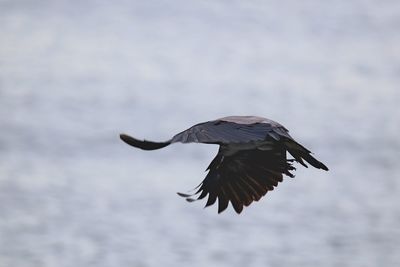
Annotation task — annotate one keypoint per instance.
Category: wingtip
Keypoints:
(183, 195)
(238, 210)
(186, 196)
(322, 166)
(143, 144)
(126, 138)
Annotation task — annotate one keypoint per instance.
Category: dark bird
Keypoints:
(250, 162)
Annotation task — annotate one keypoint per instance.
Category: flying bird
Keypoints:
(250, 162)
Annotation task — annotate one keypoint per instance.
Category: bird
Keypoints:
(251, 160)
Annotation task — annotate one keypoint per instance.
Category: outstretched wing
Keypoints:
(243, 177)
(225, 132)
(215, 132)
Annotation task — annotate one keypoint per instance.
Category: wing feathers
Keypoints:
(212, 197)
(222, 201)
(242, 178)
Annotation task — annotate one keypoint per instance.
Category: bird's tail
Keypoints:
(301, 153)
(145, 145)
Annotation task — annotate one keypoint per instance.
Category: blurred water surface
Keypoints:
(73, 75)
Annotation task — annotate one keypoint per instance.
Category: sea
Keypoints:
(76, 74)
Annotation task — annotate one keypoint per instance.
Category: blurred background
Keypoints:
(75, 74)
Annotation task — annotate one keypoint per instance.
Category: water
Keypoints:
(74, 75)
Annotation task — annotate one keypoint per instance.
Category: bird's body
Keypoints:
(250, 162)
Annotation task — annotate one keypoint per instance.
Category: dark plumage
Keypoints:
(250, 162)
